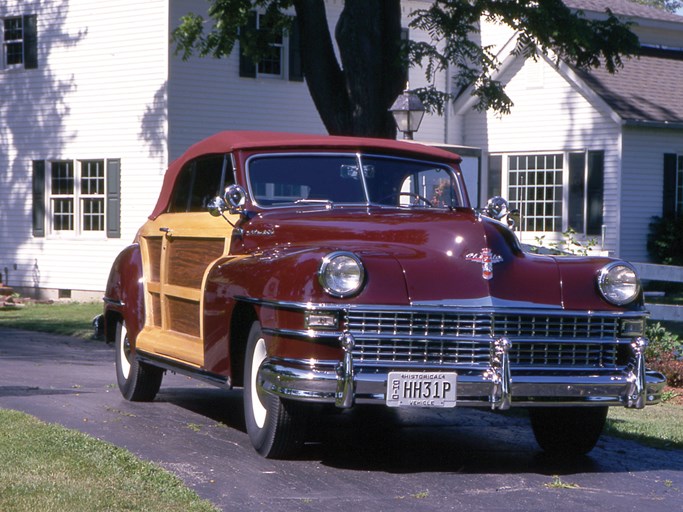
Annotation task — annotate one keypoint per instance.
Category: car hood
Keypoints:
(446, 258)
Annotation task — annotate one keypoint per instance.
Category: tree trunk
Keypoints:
(353, 100)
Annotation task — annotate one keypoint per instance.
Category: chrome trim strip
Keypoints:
(465, 309)
(319, 382)
(317, 334)
(501, 397)
(184, 369)
(637, 395)
(113, 302)
(346, 388)
(311, 334)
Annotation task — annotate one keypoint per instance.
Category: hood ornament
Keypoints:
(487, 258)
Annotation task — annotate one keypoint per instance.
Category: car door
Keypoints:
(178, 247)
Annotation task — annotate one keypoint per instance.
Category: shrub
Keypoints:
(664, 242)
(662, 342)
(670, 366)
(664, 354)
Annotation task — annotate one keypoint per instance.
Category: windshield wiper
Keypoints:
(303, 200)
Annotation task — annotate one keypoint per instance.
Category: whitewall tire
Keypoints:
(275, 426)
(138, 382)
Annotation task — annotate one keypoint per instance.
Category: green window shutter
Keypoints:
(38, 198)
(495, 175)
(405, 40)
(669, 198)
(296, 73)
(30, 42)
(113, 198)
(247, 65)
(577, 191)
(595, 192)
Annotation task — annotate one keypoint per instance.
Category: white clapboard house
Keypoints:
(94, 105)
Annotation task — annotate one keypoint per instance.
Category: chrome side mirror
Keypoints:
(217, 206)
(236, 197)
(233, 201)
(498, 208)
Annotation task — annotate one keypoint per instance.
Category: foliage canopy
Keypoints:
(354, 86)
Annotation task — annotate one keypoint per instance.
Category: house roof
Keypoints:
(229, 141)
(624, 8)
(646, 90)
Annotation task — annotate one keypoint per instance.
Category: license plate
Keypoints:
(421, 389)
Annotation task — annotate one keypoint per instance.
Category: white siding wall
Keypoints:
(642, 176)
(207, 95)
(548, 115)
(97, 93)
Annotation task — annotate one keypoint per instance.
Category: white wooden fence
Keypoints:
(651, 272)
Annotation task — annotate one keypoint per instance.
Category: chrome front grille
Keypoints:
(440, 338)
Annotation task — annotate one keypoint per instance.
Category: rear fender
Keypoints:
(124, 295)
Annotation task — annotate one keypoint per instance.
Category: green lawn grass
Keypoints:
(68, 318)
(659, 425)
(49, 468)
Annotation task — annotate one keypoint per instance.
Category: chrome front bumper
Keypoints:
(498, 386)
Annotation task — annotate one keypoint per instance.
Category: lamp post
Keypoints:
(408, 111)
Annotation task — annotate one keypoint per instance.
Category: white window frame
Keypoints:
(505, 175)
(5, 53)
(283, 46)
(547, 236)
(78, 198)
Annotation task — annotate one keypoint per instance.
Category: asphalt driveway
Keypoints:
(370, 460)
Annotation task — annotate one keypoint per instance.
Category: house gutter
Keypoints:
(644, 123)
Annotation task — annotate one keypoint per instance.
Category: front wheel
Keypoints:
(569, 431)
(138, 382)
(275, 426)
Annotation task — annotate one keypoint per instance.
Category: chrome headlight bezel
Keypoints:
(341, 274)
(618, 283)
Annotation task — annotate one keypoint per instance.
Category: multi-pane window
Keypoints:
(62, 196)
(553, 192)
(77, 196)
(282, 56)
(19, 36)
(92, 195)
(81, 197)
(13, 40)
(535, 189)
(271, 62)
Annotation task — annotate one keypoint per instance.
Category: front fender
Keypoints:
(124, 294)
(580, 285)
(291, 276)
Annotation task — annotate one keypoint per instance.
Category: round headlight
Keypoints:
(618, 283)
(341, 274)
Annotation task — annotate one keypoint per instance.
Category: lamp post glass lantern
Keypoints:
(408, 111)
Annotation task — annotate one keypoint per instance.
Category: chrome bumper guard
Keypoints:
(498, 387)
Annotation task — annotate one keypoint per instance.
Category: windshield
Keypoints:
(285, 180)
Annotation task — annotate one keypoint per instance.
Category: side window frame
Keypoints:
(192, 191)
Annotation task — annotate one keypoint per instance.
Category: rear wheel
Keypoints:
(569, 431)
(275, 426)
(138, 382)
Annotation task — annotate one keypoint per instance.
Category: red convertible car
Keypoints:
(333, 270)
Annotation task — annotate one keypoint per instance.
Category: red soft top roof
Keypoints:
(229, 141)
